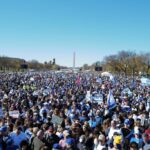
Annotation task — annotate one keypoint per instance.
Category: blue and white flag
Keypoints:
(111, 101)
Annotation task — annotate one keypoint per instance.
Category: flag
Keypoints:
(111, 101)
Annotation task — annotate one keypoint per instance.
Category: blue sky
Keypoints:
(47, 29)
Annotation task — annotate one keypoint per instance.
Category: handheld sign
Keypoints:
(14, 114)
(88, 96)
(56, 120)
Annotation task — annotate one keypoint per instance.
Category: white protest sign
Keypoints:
(31, 79)
(14, 114)
(88, 96)
(98, 98)
(56, 120)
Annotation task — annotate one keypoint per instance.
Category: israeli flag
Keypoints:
(111, 101)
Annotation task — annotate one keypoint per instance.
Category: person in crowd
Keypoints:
(50, 137)
(56, 147)
(133, 146)
(82, 143)
(29, 131)
(137, 138)
(146, 140)
(70, 144)
(38, 141)
(102, 142)
(24, 145)
(62, 142)
(113, 129)
(18, 135)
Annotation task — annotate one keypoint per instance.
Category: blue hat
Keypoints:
(3, 129)
(127, 122)
(8, 140)
(56, 146)
(69, 141)
(44, 111)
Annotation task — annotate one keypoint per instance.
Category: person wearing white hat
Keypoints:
(62, 142)
(102, 142)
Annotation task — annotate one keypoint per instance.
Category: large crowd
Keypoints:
(50, 111)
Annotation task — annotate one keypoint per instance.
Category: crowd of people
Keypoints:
(50, 111)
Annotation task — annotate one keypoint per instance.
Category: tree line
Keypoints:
(128, 63)
(16, 64)
(124, 62)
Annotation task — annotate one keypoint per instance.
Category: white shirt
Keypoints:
(100, 147)
(112, 131)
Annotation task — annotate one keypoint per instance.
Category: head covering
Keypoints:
(45, 104)
(35, 113)
(127, 122)
(70, 141)
(148, 133)
(56, 146)
(35, 130)
(3, 129)
(117, 139)
(8, 140)
(51, 129)
(113, 122)
(101, 137)
(44, 111)
(66, 133)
